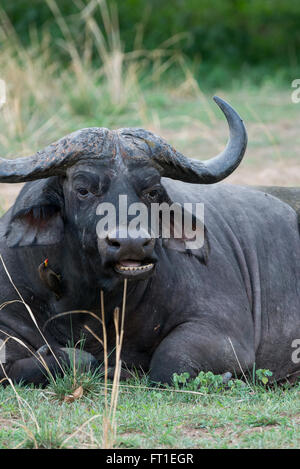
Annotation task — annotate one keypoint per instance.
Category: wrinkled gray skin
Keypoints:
(237, 297)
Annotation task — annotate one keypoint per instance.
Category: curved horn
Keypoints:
(95, 143)
(54, 159)
(176, 166)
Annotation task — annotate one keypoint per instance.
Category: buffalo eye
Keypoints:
(82, 192)
(152, 195)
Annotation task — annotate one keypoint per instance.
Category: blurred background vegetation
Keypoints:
(70, 64)
(220, 37)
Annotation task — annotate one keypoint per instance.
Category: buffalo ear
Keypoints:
(36, 217)
(186, 243)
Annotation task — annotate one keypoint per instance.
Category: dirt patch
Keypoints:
(8, 194)
(275, 174)
(272, 157)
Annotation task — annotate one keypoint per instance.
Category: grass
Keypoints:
(154, 418)
(157, 90)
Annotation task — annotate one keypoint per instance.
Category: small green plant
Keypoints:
(237, 385)
(181, 380)
(204, 382)
(263, 376)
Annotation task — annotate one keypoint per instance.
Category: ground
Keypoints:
(250, 417)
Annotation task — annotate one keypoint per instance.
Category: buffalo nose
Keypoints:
(128, 243)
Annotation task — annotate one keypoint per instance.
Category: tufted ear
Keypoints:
(36, 217)
(188, 234)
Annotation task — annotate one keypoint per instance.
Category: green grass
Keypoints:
(148, 417)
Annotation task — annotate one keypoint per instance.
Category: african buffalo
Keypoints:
(224, 307)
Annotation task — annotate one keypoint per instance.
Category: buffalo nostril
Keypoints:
(147, 242)
(114, 243)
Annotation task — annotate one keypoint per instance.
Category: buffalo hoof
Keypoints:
(81, 360)
(44, 350)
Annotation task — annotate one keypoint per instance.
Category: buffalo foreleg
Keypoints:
(34, 371)
(187, 350)
(40, 369)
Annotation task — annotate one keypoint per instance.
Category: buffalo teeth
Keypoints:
(142, 267)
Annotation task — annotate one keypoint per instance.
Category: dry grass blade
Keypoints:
(94, 334)
(119, 342)
(240, 366)
(105, 420)
(80, 429)
(104, 344)
(161, 389)
(6, 303)
(65, 313)
(109, 416)
(38, 357)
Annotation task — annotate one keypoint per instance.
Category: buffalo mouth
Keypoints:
(131, 268)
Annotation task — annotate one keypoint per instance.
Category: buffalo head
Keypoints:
(95, 166)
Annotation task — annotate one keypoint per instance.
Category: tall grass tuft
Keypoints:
(97, 85)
